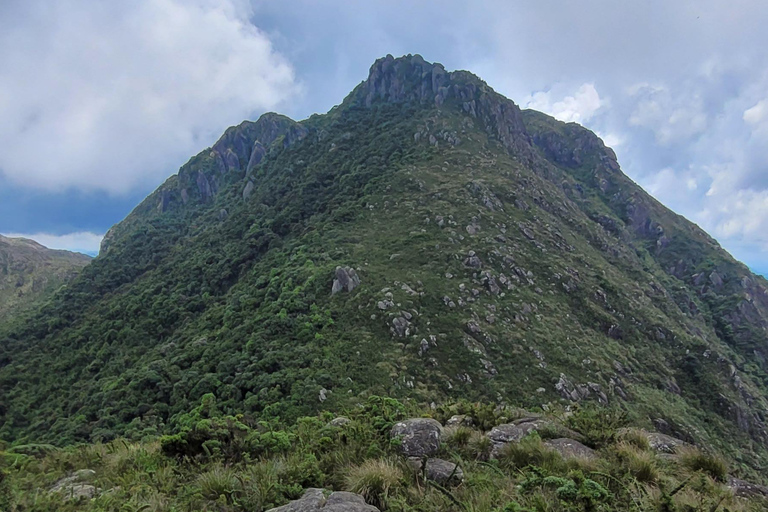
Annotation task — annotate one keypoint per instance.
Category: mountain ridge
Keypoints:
(29, 272)
(500, 252)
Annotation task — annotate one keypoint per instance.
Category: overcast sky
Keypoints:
(101, 101)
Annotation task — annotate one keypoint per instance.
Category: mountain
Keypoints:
(425, 239)
(30, 272)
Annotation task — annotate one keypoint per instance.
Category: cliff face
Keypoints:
(30, 272)
(476, 250)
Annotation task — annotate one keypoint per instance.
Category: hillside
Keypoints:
(426, 239)
(30, 272)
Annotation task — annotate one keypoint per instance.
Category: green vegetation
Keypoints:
(503, 258)
(30, 273)
(356, 456)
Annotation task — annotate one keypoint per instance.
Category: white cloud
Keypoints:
(671, 117)
(577, 108)
(757, 114)
(115, 95)
(83, 241)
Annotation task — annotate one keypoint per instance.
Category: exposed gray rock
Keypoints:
(460, 419)
(501, 435)
(570, 448)
(515, 431)
(339, 422)
(419, 437)
(257, 155)
(77, 486)
(248, 190)
(346, 279)
(472, 260)
(315, 499)
(400, 326)
(663, 443)
(438, 470)
(744, 489)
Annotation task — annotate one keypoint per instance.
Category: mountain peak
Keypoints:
(411, 79)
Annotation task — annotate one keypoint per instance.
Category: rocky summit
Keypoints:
(425, 240)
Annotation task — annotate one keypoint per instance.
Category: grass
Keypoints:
(360, 458)
(374, 479)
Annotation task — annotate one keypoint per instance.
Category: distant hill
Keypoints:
(425, 239)
(30, 272)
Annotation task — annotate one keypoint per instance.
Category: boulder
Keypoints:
(460, 420)
(663, 443)
(438, 470)
(346, 279)
(420, 437)
(570, 448)
(339, 422)
(77, 486)
(501, 435)
(316, 499)
(744, 489)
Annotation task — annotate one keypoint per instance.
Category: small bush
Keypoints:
(479, 446)
(697, 460)
(600, 426)
(635, 437)
(457, 437)
(640, 464)
(218, 482)
(374, 479)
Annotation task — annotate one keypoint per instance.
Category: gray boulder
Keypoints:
(420, 437)
(438, 470)
(570, 448)
(315, 499)
(460, 420)
(744, 489)
(663, 443)
(339, 422)
(515, 431)
(346, 279)
(77, 486)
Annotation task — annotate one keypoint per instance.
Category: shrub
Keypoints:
(457, 437)
(697, 460)
(479, 446)
(374, 479)
(219, 481)
(635, 437)
(640, 464)
(600, 426)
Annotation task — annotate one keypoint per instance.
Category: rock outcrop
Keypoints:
(346, 280)
(327, 501)
(419, 437)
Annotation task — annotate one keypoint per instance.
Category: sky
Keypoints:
(100, 102)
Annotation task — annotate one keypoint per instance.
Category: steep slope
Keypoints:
(30, 272)
(500, 255)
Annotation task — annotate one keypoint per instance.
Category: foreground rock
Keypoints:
(570, 448)
(515, 431)
(438, 470)
(419, 437)
(77, 486)
(315, 499)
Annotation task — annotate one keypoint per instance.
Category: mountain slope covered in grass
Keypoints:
(481, 252)
(30, 272)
